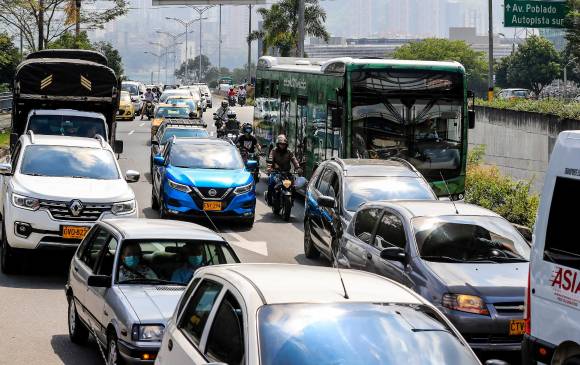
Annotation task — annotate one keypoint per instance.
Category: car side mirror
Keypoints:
(192, 115)
(99, 281)
(13, 138)
(251, 165)
(5, 169)
(471, 117)
(326, 201)
(118, 147)
(132, 176)
(394, 254)
(158, 161)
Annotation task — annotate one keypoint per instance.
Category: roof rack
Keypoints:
(404, 162)
(101, 140)
(31, 134)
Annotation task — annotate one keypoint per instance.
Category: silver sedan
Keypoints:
(126, 278)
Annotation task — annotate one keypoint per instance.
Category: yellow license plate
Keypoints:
(517, 327)
(74, 232)
(212, 206)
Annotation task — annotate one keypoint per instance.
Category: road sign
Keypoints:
(207, 2)
(534, 14)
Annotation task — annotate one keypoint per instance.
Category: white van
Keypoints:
(553, 298)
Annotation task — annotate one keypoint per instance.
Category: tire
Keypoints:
(77, 331)
(248, 223)
(276, 205)
(309, 250)
(8, 259)
(286, 207)
(256, 177)
(113, 355)
(154, 200)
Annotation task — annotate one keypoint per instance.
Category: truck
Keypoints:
(66, 92)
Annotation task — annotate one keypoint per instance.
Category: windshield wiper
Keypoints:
(152, 281)
(503, 259)
(35, 174)
(442, 259)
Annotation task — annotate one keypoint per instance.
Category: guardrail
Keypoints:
(5, 102)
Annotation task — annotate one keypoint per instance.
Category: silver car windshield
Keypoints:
(168, 261)
(469, 239)
(315, 334)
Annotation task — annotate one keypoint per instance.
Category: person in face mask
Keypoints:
(132, 264)
(193, 260)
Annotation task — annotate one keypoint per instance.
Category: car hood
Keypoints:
(64, 188)
(152, 304)
(485, 280)
(211, 178)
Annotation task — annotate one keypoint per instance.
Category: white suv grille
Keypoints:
(89, 212)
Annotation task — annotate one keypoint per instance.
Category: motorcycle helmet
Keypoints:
(225, 104)
(281, 140)
(247, 128)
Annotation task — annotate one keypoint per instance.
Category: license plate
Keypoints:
(517, 327)
(74, 232)
(212, 206)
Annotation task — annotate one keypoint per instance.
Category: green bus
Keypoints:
(368, 108)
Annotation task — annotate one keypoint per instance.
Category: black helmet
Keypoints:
(247, 128)
(232, 114)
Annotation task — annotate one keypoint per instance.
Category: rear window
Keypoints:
(561, 247)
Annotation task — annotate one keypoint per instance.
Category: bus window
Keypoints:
(301, 122)
(274, 89)
(333, 134)
(284, 114)
(318, 135)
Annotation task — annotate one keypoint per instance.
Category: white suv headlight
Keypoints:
(243, 189)
(25, 202)
(123, 207)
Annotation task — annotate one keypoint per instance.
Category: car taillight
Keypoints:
(527, 307)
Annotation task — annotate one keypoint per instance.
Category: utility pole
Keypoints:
(77, 20)
(186, 25)
(220, 44)
(40, 24)
(301, 34)
(490, 60)
(200, 11)
(250, 45)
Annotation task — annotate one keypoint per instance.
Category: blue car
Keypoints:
(200, 178)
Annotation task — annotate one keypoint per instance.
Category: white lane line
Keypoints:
(133, 131)
(142, 124)
(211, 134)
(259, 247)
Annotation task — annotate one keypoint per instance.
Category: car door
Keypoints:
(159, 171)
(330, 217)
(78, 275)
(6, 178)
(357, 240)
(319, 188)
(183, 344)
(390, 233)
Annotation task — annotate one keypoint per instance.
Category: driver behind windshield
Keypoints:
(132, 264)
(193, 255)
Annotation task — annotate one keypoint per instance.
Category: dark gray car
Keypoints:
(126, 278)
(468, 261)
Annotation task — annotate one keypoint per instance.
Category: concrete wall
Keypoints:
(519, 143)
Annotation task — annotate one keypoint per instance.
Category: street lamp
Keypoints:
(158, 62)
(174, 37)
(186, 25)
(200, 11)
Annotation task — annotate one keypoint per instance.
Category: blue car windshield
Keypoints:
(79, 162)
(361, 190)
(183, 132)
(205, 156)
(356, 334)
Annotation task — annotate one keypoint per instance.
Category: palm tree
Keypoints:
(281, 25)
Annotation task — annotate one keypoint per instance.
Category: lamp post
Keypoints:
(490, 59)
(158, 62)
(174, 37)
(571, 61)
(200, 11)
(186, 25)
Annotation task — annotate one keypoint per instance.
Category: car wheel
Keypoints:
(248, 223)
(154, 200)
(8, 260)
(113, 356)
(77, 331)
(309, 250)
(162, 210)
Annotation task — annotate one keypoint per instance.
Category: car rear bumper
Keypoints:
(535, 350)
(134, 355)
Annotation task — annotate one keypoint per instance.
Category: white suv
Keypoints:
(54, 188)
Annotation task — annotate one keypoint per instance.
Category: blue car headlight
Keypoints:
(179, 187)
(243, 189)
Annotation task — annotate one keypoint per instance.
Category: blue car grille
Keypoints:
(213, 193)
(199, 195)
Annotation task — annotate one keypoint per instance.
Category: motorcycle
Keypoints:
(251, 156)
(242, 100)
(219, 125)
(149, 109)
(232, 135)
(283, 194)
(232, 100)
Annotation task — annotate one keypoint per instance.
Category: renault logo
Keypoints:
(76, 207)
(212, 192)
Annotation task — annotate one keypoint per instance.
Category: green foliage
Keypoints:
(281, 25)
(436, 49)
(534, 65)
(563, 109)
(487, 187)
(9, 59)
(193, 69)
(114, 59)
(4, 139)
(69, 40)
(572, 51)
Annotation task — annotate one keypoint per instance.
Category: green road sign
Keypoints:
(534, 14)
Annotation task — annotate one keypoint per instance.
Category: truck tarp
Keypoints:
(79, 54)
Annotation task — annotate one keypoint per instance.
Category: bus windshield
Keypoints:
(415, 115)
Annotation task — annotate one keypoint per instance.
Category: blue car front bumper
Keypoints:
(191, 204)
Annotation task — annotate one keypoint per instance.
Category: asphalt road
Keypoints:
(33, 320)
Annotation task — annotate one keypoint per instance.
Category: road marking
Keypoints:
(142, 124)
(259, 247)
(211, 134)
(133, 131)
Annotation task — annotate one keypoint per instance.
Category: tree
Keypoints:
(571, 54)
(534, 65)
(114, 59)
(9, 59)
(435, 49)
(501, 72)
(193, 69)
(239, 75)
(43, 21)
(281, 25)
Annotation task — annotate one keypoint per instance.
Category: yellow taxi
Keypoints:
(126, 109)
(192, 104)
(169, 111)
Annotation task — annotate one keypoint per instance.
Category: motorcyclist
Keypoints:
(247, 140)
(281, 159)
(222, 110)
(242, 92)
(148, 97)
(231, 93)
(232, 124)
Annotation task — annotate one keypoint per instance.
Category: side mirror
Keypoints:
(132, 176)
(393, 254)
(99, 281)
(118, 147)
(158, 161)
(192, 115)
(326, 201)
(154, 143)
(251, 165)
(471, 116)
(13, 138)
(5, 169)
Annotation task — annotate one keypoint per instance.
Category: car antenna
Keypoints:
(449, 192)
(213, 224)
(340, 275)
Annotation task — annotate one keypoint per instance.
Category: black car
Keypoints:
(170, 129)
(339, 187)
